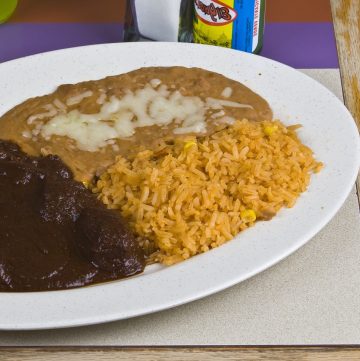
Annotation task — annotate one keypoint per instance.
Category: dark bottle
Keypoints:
(186, 21)
(131, 32)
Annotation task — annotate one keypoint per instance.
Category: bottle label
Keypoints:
(214, 13)
(234, 24)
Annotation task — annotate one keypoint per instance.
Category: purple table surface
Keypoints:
(300, 45)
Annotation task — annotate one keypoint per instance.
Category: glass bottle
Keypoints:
(131, 32)
(159, 20)
(237, 24)
(186, 21)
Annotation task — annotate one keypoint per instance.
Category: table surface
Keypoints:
(293, 34)
(310, 298)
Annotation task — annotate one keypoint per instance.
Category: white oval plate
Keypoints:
(295, 98)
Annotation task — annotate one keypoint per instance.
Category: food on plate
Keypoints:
(54, 234)
(156, 165)
(199, 192)
(88, 124)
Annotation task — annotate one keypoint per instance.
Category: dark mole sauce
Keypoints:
(55, 234)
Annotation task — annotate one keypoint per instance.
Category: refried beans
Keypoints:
(20, 123)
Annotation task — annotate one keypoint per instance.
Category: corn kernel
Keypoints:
(248, 215)
(270, 129)
(86, 184)
(189, 144)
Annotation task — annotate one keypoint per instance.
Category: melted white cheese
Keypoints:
(101, 99)
(51, 111)
(155, 82)
(26, 134)
(152, 105)
(76, 99)
(219, 103)
(227, 92)
(60, 105)
(218, 114)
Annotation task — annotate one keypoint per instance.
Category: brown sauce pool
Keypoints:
(55, 234)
